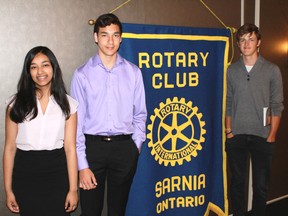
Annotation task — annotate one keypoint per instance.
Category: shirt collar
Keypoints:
(97, 61)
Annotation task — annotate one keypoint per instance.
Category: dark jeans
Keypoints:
(238, 149)
(115, 162)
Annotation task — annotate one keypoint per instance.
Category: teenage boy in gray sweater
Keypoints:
(253, 112)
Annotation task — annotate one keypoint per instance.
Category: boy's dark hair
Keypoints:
(106, 20)
(248, 28)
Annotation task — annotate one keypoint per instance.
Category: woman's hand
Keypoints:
(12, 203)
(71, 201)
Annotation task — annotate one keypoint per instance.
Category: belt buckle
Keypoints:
(107, 139)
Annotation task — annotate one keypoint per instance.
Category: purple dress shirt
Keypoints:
(111, 102)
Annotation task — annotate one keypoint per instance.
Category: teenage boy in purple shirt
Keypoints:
(111, 121)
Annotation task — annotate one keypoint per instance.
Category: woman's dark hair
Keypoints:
(25, 103)
(248, 28)
(106, 20)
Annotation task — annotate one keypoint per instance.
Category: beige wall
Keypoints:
(62, 26)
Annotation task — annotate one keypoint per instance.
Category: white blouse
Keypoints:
(46, 131)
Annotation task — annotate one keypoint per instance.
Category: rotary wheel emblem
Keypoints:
(176, 132)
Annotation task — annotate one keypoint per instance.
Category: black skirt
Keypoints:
(40, 182)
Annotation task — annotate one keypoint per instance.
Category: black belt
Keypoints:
(109, 138)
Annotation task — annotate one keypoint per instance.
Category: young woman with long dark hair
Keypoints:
(40, 162)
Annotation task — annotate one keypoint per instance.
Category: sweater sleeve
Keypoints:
(276, 93)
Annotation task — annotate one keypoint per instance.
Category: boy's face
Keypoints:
(108, 40)
(249, 44)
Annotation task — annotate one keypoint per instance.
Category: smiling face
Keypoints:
(108, 39)
(41, 71)
(248, 44)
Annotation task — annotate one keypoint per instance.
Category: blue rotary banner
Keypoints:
(181, 169)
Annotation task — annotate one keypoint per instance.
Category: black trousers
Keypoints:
(116, 162)
(238, 149)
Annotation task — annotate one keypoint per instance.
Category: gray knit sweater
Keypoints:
(249, 93)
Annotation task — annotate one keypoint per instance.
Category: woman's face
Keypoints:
(41, 71)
